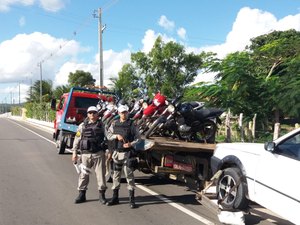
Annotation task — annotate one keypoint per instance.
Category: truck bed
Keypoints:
(164, 143)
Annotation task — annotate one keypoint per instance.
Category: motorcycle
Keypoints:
(102, 107)
(137, 110)
(189, 121)
(110, 112)
(151, 112)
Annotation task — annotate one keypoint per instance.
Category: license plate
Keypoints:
(182, 166)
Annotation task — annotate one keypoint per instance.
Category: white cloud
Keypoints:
(15, 93)
(19, 58)
(31, 49)
(48, 5)
(20, 55)
(150, 37)
(181, 33)
(251, 23)
(52, 5)
(5, 4)
(112, 61)
(22, 21)
(248, 24)
(165, 23)
(61, 77)
(148, 40)
(288, 22)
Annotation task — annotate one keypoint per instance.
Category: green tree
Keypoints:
(172, 69)
(34, 91)
(237, 88)
(59, 90)
(277, 57)
(262, 79)
(80, 79)
(127, 83)
(166, 68)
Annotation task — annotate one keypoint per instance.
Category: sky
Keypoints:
(48, 39)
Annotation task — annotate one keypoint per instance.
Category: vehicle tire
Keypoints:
(153, 128)
(237, 198)
(61, 143)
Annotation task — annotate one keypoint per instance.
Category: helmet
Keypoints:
(185, 108)
(92, 109)
(123, 108)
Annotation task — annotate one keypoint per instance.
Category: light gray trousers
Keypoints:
(121, 160)
(97, 162)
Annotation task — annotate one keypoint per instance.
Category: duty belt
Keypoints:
(90, 152)
(123, 149)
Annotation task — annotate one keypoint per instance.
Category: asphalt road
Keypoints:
(38, 186)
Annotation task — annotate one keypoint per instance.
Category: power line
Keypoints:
(81, 26)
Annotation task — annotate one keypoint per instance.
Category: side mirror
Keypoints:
(53, 104)
(269, 146)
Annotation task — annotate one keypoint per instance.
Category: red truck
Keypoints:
(71, 111)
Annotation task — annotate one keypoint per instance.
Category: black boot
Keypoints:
(102, 198)
(131, 199)
(115, 198)
(81, 197)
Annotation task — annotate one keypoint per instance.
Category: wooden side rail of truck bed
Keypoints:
(163, 143)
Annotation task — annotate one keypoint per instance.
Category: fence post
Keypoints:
(241, 126)
(227, 127)
(276, 131)
(253, 126)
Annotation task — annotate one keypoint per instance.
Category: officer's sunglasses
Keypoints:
(92, 112)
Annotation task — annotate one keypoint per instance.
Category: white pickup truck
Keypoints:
(268, 174)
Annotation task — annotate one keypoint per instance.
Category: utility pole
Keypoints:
(5, 106)
(100, 31)
(30, 82)
(41, 80)
(19, 92)
(30, 87)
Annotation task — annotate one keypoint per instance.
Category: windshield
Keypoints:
(81, 102)
(290, 147)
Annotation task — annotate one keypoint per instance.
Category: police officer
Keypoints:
(89, 140)
(125, 134)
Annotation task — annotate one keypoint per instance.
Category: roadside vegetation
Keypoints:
(262, 81)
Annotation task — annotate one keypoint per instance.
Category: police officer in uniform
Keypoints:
(126, 135)
(90, 141)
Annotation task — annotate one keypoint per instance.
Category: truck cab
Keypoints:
(71, 111)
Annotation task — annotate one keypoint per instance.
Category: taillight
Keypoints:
(169, 161)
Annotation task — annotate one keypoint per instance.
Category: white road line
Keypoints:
(175, 205)
(34, 132)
